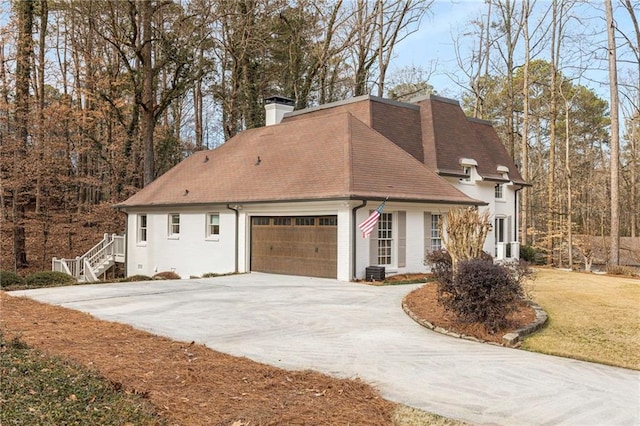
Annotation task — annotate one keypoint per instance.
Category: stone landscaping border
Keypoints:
(511, 339)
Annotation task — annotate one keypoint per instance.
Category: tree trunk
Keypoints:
(148, 112)
(635, 126)
(567, 167)
(197, 112)
(524, 170)
(23, 76)
(552, 139)
(44, 12)
(614, 247)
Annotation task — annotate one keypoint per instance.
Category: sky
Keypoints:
(433, 43)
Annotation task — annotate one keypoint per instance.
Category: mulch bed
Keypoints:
(423, 302)
(189, 383)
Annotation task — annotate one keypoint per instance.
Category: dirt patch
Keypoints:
(189, 383)
(423, 302)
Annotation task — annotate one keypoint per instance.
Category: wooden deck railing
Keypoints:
(84, 268)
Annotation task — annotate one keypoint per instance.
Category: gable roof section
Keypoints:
(326, 157)
(449, 136)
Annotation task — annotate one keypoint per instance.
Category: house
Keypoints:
(287, 198)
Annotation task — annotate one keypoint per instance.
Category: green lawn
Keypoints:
(591, 317)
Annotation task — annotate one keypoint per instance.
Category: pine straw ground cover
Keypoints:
(190, 384)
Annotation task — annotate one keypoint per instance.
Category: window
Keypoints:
(142, 228)
(499, 230)
(213, 225)
(261, 221)
(305, 221)
(436, 239)
(174, 224)
(282, 221)
(467, 171)
(385, 239)
(498, 192)
(328, 221)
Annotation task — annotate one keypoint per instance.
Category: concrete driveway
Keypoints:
(353, 330)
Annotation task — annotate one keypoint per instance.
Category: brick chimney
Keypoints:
(276, 107)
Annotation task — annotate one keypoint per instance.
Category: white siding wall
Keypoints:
(484, 190)
(190, 254)
(415, 232)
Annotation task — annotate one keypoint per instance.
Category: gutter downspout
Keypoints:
(235, 256)
(126, 241)
(353, 242)
(126, 247)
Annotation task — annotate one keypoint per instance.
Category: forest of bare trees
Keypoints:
(98, 98)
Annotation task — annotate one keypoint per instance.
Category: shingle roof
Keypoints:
(449, 136)
(326, 156)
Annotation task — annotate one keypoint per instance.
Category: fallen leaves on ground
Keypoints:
(189, 383)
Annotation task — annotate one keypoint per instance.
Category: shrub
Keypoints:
(528, 253)
(166, 275)
(134, 278)
(441, 265)
(49, 278)
(620, 270)
(8, 278)
(480, 292)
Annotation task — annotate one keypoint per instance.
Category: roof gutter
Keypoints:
(235, 256)
(353, 242)
(471, 201)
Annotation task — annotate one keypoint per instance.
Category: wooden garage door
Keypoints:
(295, 245)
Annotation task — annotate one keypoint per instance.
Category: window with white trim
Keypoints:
(213, 225)
(499, 229)
(174, 225)
(385, 239)
(467, 171)
(436, 238)
(499, 191)
(142, 228)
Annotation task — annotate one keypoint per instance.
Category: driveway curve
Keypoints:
(353, 330)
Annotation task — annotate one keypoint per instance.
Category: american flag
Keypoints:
(367, 226)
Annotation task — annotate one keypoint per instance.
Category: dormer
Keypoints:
(503, 171)
(469, 166)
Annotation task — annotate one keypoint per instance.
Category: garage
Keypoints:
(295, 245)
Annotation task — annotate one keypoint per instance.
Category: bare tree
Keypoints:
(635, 121)
(567, 173)
(524, 170)
(44, 16)
(396, 22)
(614, 248)
(25, 12)
(552, 132)
(511, 28)
(378, 29)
